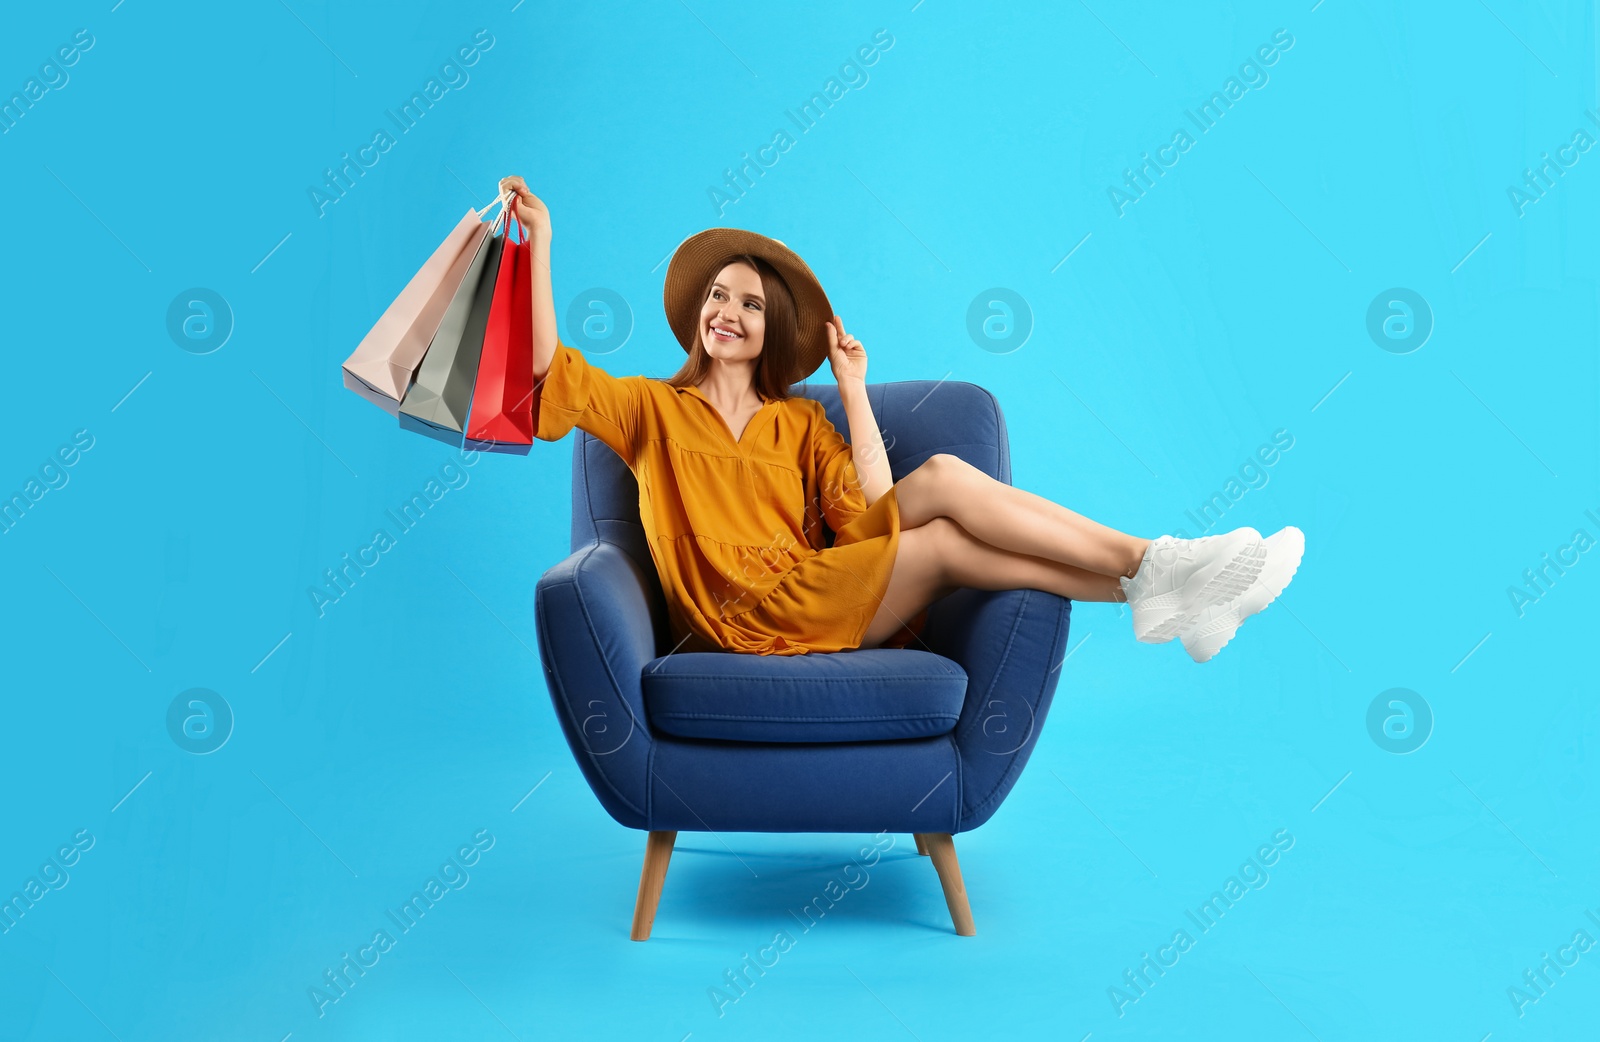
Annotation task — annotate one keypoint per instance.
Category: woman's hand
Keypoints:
(527, 208)
(530, 211)
(845, 353)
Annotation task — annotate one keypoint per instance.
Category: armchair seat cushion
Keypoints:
(851, 696)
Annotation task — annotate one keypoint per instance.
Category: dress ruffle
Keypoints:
(827, 602)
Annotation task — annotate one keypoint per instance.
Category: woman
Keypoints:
(736, 477)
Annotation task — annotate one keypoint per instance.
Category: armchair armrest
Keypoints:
(597, 629)
(1011, 643)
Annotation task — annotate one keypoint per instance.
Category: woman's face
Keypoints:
(733, 317)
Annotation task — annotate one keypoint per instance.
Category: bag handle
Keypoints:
(506, 212)
(506, 201)
(503, 199)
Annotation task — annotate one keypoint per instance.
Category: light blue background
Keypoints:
(372, 742)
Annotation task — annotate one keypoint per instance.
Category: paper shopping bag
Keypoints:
(382, 365)
(502, 398)
(438, 400)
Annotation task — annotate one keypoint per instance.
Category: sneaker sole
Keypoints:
(1230, 580)
(1286, 550)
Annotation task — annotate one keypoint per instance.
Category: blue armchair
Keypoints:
(928, 739)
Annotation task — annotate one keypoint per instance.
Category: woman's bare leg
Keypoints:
(935, 558)
(1012, 519)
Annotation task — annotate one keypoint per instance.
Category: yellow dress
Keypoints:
(735, 527)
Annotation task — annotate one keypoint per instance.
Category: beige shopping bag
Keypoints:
(382, 366)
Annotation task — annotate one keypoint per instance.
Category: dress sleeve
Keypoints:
(838, 483)
(576, 394)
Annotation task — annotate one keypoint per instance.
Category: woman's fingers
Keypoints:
(521, 198)
(516, 185)
(845, 340)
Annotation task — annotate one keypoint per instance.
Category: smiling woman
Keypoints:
(733, 513)
(740, 481)
(747, 321)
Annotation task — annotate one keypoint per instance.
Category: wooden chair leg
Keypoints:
(657, 852)
(942, 849)
(922, 848)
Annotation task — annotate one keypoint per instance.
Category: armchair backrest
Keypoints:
(918, 418)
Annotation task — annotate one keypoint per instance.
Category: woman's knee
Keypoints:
(944, 466)
(927, 492)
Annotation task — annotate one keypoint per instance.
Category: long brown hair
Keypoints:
(778, 348)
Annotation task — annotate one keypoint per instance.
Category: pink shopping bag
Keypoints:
(383, 364)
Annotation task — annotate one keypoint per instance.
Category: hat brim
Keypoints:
(693, 263)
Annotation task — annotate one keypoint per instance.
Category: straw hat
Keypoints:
(694, 263)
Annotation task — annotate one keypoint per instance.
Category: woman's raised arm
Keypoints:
(535, 218)
(571, 392)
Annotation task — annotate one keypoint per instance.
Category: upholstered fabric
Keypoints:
(862, 696)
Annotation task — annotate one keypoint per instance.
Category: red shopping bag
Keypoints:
(502, 418)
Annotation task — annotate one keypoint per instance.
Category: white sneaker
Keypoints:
(1210, 631)
(1179, 578)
